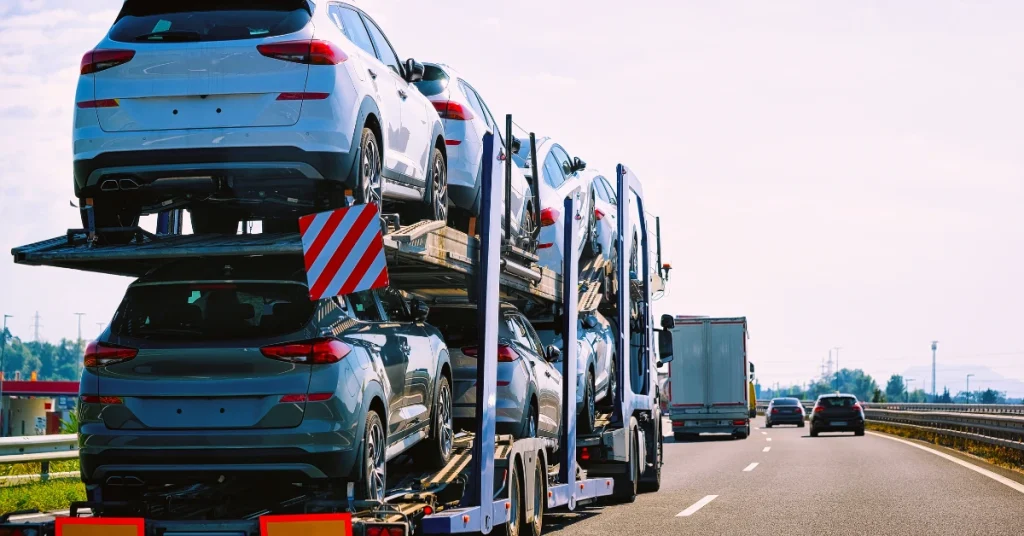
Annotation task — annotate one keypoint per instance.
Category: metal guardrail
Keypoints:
(995, 424)
(42, 449)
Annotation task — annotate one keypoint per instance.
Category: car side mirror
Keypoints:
(590, 321)
(667, 322)
(413, 70)
(420, 310)
(552, 354)
(665, 347)
(517, 145)
(578, 164)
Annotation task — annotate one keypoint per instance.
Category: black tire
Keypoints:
(651, 479)
(112, 212)
(680, 436)
(609, 398)
(767, 425)
(526, 230)
(801, 425)
(588, 414)
(372, 483)
(437, 449)
(368, 170)
(212, 220)
(626, 486)
(535, 526)
(436, 203)
(516, 511)
(859, 432)
(814, 433)
(740, 435)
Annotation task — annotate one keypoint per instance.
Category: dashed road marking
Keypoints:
(750, 467)
(697, 506)
(766, 449)
(984, 472)
(764, 433)
(768, 439)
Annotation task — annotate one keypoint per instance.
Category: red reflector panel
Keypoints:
(101, 354)
(99, 526)
(307, 525)
(452, 142)
(102, 103)
(739, 422)
(302, 96)
(544, 245)
(95, 61)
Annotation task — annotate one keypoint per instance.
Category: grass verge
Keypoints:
(43, 496)
(14, 469)
(1000, 456)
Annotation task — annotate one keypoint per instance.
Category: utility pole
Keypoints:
(967, 395)
(80, 315)
(935, 346)
(3, 348)
(838, 369)
(35, 327)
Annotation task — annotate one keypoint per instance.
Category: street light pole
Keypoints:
(967, 395)
(907, 381)
(838, 368)
(935, 345)
(3, 350)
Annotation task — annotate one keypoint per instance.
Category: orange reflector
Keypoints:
(508, 505)
(550, 494)
(608, 483)
(465, 520)
(306, 525)
(99, 526)
(581, 486)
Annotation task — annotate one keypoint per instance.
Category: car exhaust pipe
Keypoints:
(109, 185)
(128, 184)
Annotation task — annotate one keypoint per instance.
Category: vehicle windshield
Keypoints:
(434, 81)
(458, 325)
(837, 401)
(785, 402)
(157, 21)
(212, 311)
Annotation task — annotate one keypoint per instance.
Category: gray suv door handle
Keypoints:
(372, 74)
(402, 93)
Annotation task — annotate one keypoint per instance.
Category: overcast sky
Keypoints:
(842, 173)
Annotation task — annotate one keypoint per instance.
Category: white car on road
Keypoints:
(252, 110)
(560, 176)
(466, 118)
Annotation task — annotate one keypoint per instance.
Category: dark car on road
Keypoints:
(837, 413)
(227, 368)
(784, 411)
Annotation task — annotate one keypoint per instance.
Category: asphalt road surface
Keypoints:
(782, 481)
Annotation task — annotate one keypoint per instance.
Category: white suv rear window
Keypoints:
(156, 21)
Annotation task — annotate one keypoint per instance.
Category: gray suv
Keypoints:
(227, 369)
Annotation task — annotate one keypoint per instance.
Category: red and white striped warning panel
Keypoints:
(344, 251)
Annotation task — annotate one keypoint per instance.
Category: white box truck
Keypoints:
(709, 391)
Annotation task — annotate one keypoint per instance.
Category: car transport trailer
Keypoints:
(508, 487)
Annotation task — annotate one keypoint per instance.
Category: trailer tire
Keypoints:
(588, 414)
(372, 475)
(436, 204)
(626, 487)
(515, 496)
(651, 479)
(536, 524)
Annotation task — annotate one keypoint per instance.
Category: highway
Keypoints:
(833, 484)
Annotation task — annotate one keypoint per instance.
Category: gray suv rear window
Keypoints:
(156, 21)
(212, 311)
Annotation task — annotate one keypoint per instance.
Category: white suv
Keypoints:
(252, 109)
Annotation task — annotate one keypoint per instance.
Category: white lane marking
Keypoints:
(697, 506)
(764, 433)
(768, 439)
(985, 472)
(750, 467)
(766, 449)
(757, 428)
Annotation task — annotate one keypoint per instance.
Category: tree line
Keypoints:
(61, 361)
(860, 384)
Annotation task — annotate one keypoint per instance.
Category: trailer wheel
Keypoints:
(368, 172)
(539, 497)
(626, 487)
(515, 499)
(588, 414)
(651, 480)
